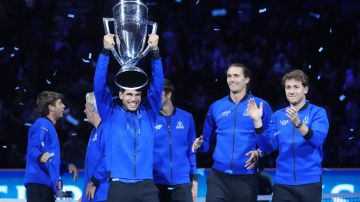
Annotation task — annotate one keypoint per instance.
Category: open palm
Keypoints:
(255, 112)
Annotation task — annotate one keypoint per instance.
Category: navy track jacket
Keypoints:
(299, 159)
(235, 133)
(131, 134)
(174, 161)
(95, 164)
(42, 137)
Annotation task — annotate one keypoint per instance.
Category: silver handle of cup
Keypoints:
(107, 31)
(153, 31)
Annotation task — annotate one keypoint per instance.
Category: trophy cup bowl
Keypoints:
(130, 26)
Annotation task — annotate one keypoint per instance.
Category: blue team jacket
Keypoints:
(174, 161)
(95, 163)
(299, 159)
(131, 134)
(235, 133)
(42, 137)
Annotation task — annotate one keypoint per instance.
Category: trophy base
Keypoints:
(131, 78)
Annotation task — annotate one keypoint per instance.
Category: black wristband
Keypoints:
(298, 125)
(259, 130)
(95, 182)
(106, 51)
(193, 177)
(155, 54)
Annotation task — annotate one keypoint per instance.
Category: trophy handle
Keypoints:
(107, 31)
(153, 31)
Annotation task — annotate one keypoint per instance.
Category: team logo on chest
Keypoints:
(225, 113)
(95, 137)
(305, 120)
(179, 125)
(284, 122)
(246, 112)
(158, 127)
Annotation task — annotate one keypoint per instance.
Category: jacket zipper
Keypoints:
(168, 119)
(233, 142)
(293, 152)
(134, 144)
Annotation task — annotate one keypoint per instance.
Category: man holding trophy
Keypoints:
(130, 125)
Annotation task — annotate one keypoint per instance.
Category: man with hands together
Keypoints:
(298, 132)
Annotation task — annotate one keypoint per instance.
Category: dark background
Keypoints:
(42, 47)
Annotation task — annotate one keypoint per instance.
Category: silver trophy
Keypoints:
(130, 23)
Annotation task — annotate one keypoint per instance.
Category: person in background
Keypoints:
(43, 151)
(298, 132)
(95, 173)
(233, 176)
(175, 172)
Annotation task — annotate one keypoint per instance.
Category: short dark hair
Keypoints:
(46, 98)
(297, 75)
(246, 72)
(168, 87)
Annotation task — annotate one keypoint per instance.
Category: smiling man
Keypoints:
(129, 150)
(298, 132)
(233, 177)
(43, 151)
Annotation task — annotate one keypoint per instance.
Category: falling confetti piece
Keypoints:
(263, 10)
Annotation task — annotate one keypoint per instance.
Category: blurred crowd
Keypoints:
(53, 45)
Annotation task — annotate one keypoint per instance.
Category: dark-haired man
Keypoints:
(298, 132)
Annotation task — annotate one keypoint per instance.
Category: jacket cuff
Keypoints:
(259, 130)
(95, 182)
(309, 134)
(193, 177)
(39, 157)
(155, 54)
(106, 52)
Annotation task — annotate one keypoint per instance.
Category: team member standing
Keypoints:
(43, 151)
(129, 158)
(233, 177)
(298, 132)
(95, 172)
(175, 172)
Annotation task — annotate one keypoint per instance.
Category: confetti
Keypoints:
(27, 124)
(342, 97)
(71, 15)
(309, 66)
(319, 77)
(48, 81)
(315, 15)
(263, 10)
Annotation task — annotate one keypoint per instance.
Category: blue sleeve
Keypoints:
(267, 140)
(101, 90)
(153, 99)
(192, 155)
(208, 130)
(267, 113)
(100, 172)
(37, 141)
(319, 128)
(64, 167)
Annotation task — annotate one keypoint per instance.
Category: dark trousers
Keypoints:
(222, 187)
(175, 193)
(39, 193)
(297, 193)
(144, 191)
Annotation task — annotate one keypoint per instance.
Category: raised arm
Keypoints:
(153, 100)
(101, 90)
